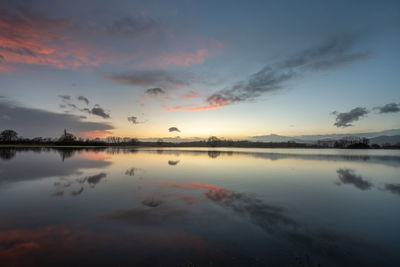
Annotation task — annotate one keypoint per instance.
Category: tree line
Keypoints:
(11, 137)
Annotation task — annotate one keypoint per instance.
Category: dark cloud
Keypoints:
(173, 129)
(333, 53)
(31, 122)
(155, 91)
(348, 176)
(133, 120)
(150, 78)
(344, 119)
(389, 108)
(394, 188)
(84, 99)
(65, 97)
(99, 111)
(96, 110)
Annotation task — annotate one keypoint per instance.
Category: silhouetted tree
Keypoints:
(213, 141)
(67, 137)
(8, 136)
(113, 140)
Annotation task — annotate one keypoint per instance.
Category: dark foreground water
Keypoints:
(195, 207)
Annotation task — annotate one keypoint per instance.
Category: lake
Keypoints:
(199, 207)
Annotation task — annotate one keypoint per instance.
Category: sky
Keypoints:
(233, 69)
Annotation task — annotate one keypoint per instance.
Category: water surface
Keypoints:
(199, 207)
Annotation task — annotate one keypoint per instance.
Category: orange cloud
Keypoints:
(180, 59)
(214, 101)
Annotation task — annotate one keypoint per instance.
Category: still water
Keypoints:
(199, 207)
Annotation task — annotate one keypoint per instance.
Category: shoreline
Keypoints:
(184, 146)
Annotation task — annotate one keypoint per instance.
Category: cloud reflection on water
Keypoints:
(348, 176)
(189, 214)
(170, 208)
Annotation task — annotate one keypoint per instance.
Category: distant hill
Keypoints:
(387, 136)
(383, 137)
(381, 140)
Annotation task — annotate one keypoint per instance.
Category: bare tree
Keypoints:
(8, 136)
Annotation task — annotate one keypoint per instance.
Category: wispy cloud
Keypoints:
(155, 91)
(158, 78)
(190, 95)
(192, 107)
(333, 53)
(179, 58)
(273, 77)
(29, 38)
(65, 97)
(131, 26)
(84, 99)
(344, 119)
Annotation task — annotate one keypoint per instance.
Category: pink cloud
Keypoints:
(27, 39)
(192, 107)
(191, 95)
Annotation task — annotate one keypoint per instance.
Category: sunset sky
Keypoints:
(233, 69)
